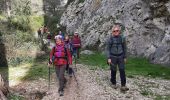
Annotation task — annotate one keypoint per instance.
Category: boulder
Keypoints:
(87, 52)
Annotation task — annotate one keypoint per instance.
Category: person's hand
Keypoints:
(125, 60)
(49, 65)
(51, 61)
(109, 61)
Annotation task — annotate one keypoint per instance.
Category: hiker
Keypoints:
(76, 41)
(60, 56)
(49, 37)
(45, 29)
(60, 33)
(39, 32)
(116, 54)
(69, 47)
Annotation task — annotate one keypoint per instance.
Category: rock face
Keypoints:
(146, 22)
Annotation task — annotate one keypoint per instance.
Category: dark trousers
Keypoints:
(68, 69)
(76, 52)
(118, 61)
(60, 70)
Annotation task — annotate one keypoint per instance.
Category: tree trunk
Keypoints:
(3, 89)
(8, 7)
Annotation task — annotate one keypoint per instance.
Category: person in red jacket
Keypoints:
(60, 56)
(76, 42)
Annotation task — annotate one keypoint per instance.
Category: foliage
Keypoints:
(162, 97)
(53, 6)
(21, 7)
(19, 22)
(52, 22)
(81, 1)
(18, 60)
(36, 22)
(15, 97)
(38, 69)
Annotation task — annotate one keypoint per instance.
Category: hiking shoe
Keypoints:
(61, 93)
(124, 88)
(70, 75)
(114, 86)
(65, 81)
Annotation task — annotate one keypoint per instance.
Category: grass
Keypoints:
(81, 1)
(162, 97)
(37, 69)
(27, 70)
(134, 66)
(15, 97)
(146, 92)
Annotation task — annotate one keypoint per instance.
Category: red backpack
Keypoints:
(60, 52)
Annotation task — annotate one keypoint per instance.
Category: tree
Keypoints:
(3, 89)
(8, 7)
(51, 6)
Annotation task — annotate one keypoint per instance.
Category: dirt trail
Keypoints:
(95, 85)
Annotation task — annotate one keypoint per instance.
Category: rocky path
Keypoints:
(95, 85)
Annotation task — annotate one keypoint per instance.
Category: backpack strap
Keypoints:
(53, 58)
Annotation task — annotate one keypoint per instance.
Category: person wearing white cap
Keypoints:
(60, 56)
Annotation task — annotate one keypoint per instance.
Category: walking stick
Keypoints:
(49, 78)
(75, 62)
(75, 77)
(49, 74)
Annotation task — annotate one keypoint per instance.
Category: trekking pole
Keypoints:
(49, 78)
(75, 63)
(49, 75)
(75, 77)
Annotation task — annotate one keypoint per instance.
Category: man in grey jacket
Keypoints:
(116, 54)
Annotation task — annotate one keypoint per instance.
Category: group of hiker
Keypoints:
(42, 30)
(61, 56)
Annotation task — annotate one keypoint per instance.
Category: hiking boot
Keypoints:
(114, 86)
(65, 81)
(70, 75)
(61, 93)
(124, 88)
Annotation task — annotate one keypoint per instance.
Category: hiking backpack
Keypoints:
(59, 52)
(116, 45)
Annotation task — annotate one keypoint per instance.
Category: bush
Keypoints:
(81, 1)
(19, 23)
(52, 22)
(36, 22)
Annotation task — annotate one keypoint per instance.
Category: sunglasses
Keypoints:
(116, 31)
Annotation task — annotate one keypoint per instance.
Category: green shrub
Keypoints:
(2, 17)
(15, 97)
(19, 60)
(81, 1)
(36, 22)
(19, 23)
(52, 22)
